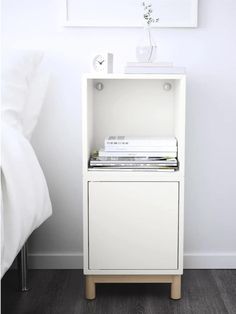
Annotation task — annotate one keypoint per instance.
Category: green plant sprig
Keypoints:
(147, 15)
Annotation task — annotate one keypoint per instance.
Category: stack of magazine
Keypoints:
(139, 153)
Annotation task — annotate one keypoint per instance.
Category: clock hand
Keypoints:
(100, 62)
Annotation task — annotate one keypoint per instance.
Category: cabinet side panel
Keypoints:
(179, 120)
(87, 144)
(181, 224)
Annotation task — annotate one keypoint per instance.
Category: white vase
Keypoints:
(146, 49)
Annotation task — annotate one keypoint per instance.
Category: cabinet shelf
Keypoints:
(133, 175)
(133, 170)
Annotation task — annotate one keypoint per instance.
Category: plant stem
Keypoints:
(150, 44)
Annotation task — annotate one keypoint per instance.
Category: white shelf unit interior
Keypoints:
(134, 106)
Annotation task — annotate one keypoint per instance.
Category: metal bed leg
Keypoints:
(23, 268)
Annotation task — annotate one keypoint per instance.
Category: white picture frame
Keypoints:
(105, 13)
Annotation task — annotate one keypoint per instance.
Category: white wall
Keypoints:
(208, 52)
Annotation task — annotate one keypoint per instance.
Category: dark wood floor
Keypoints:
(61, 292)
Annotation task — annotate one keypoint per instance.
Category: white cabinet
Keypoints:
(133, 220)
(133, 225)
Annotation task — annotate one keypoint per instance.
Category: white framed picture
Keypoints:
(128, 13)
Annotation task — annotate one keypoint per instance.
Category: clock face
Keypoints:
(99, 63)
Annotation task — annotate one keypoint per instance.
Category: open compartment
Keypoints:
(135, 107)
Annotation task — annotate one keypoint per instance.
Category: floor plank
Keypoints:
(61, 292)
(226, 283)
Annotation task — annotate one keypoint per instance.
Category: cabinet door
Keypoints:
(133, 225)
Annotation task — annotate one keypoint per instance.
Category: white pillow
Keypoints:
(17, 71)
(34, 101)
(24, 84)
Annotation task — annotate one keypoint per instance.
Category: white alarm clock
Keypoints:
(103, 63)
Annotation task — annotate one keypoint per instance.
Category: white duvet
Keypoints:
(25, 197)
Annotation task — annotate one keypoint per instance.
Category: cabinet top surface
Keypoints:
(133, 76)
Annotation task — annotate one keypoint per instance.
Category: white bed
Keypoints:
(25, 197)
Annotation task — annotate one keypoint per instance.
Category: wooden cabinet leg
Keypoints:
(176, 287)
(90, 288)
